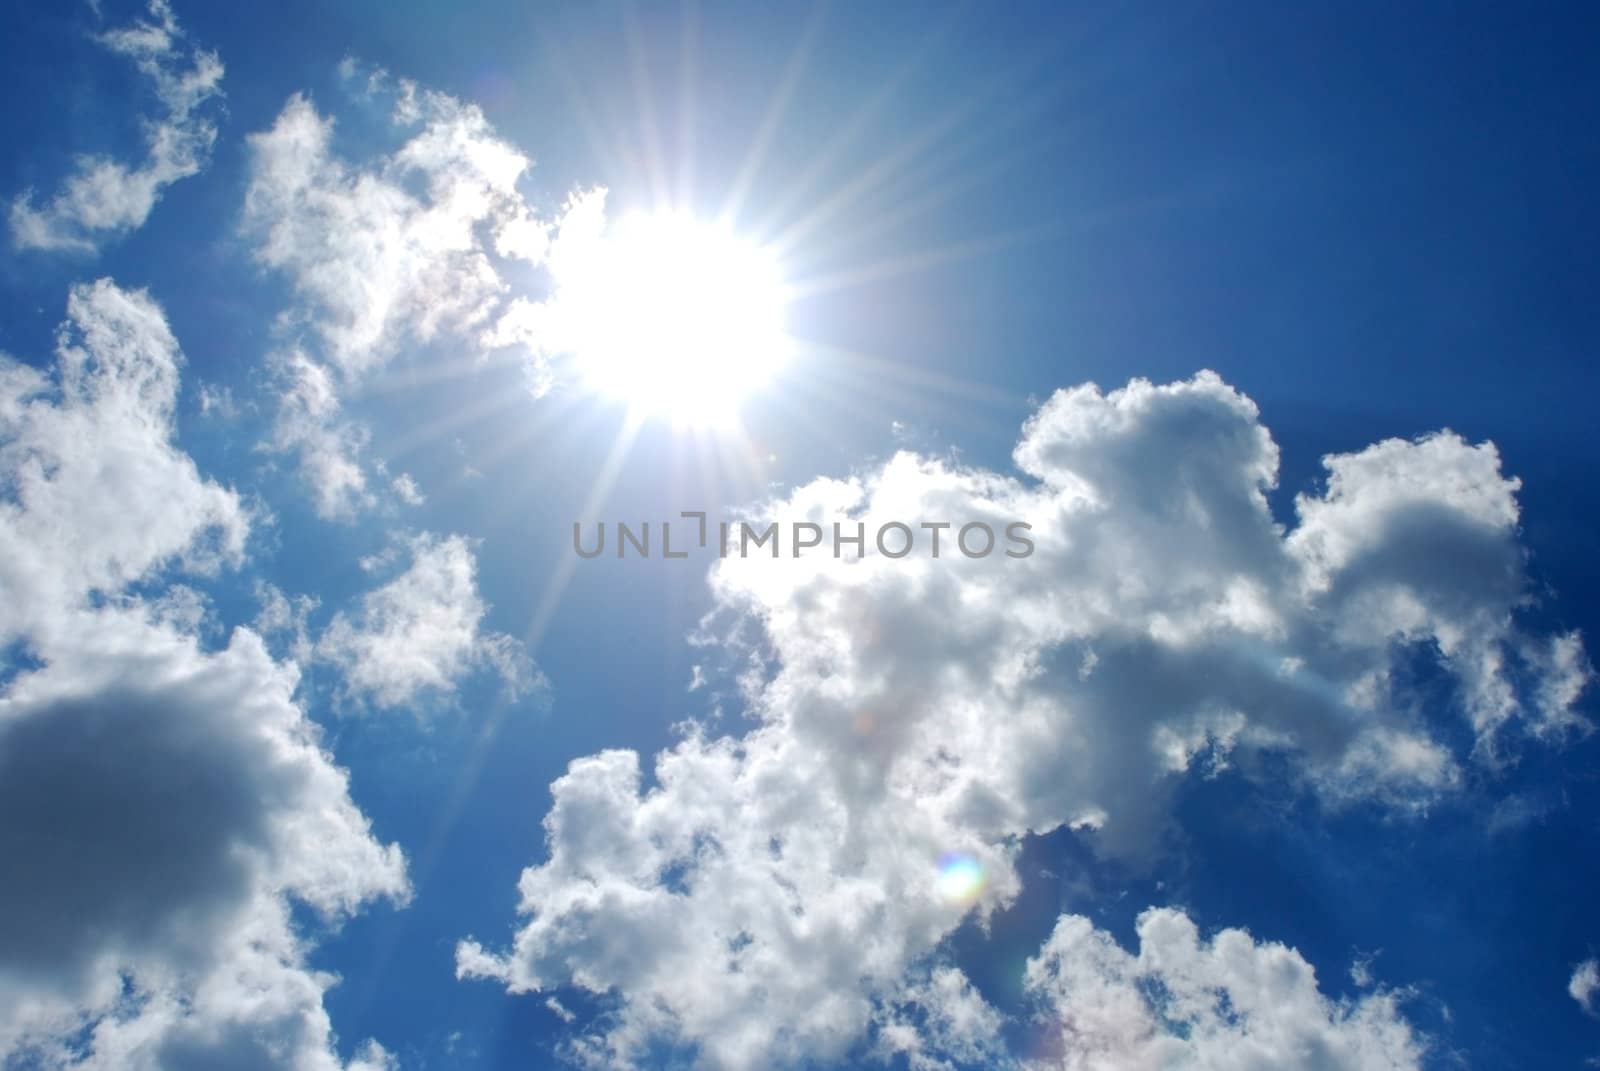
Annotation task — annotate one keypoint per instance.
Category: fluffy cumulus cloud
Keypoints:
(765, 897)
(96, 494)
(104, 197)
(420, 632)
(172, 802)
(1227, 1004)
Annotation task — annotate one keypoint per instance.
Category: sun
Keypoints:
(676, 317)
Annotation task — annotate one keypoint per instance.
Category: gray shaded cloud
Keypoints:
(163, 806)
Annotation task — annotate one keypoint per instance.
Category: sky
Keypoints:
(325, 330)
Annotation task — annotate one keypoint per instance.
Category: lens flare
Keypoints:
(961, 878)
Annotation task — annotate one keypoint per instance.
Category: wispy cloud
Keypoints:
(399, 250)
(1585, 986)
(103, 197)
(309, 425)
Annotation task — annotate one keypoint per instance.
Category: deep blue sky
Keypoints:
(1375, 221)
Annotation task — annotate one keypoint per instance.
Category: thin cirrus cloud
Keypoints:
(173, 802)
(1167, 626)
(104, 198)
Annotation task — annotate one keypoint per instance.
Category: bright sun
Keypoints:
(678, 318)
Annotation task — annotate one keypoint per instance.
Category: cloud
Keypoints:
(407, 490)
(406, 248)
(1224, 1004)
(308, 424)
(96, 495)
(420, 632)
(104, 197)
(402, 249)
(285, 618)
(574, 250)
(941, 1023)
(764, 899)
(1585, 986)
(217, 402)
(171, 803)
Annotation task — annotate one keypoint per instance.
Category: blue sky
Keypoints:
(1277, 752)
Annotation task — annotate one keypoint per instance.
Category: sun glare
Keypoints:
(679, 318)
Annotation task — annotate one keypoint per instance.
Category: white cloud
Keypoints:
(217, 402)
(374, 262)
(1585, 986)
(545, 330)
(1224, 1004)
(406, 487)
(104, 197)
(171, 802)
(421, 631)
(1167, 626)
(403, 249)
(308, 424)
(96, 495)
(286, 618)
(941, 1023)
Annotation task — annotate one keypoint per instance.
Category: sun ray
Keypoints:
(561, 575)
(608, 151)
(856, 387)
(649, 130)
(553, 418)
(854, 127)
(873, 177)
(688, 46)
(457, 417)
(756, 155)
(932, 196)
(921, 260)
(399, 378)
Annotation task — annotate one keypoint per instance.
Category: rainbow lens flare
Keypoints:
(961, 878)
